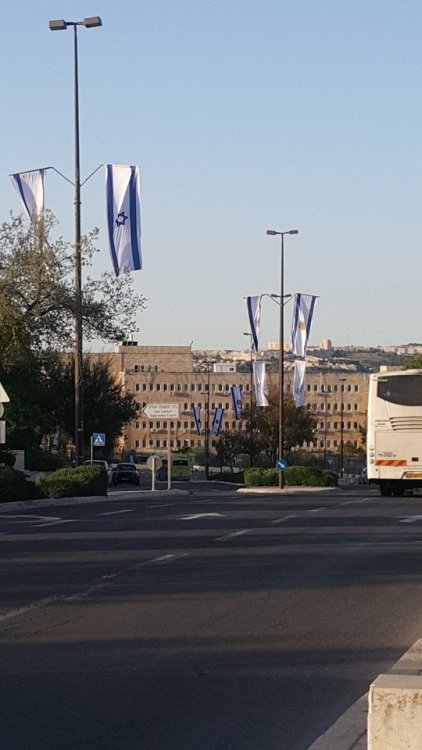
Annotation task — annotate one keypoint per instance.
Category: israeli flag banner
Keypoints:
(217, 421)
(30, 188)
(236, 392)
(303, 312)
(196, 411)
(254, 315)
(299, 382)
(123, 191)
(260, 387)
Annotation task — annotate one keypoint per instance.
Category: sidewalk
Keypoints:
(62, 502)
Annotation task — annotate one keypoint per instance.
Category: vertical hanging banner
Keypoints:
(299, 382)
(30, 188)
(301, 325)
(254, 315)
(259, 380)
(236, 392)
(196, 411)
(123, 193)
(217, 421)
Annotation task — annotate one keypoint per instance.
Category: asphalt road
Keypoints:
(203, 621)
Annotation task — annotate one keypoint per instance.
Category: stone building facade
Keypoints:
(159, 374)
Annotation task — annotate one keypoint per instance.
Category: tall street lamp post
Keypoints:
(250, 405)
(341, 381)
(61, 25)
(207, 424)
(281, 354)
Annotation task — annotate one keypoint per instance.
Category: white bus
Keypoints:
(394, 436)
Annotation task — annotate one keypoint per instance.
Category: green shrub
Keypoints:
(83, 481)
(7, 457)
(14, 486)
(294, 476)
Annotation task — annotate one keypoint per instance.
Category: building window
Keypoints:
(136, 443)
(144, 425)
(136, 368)
(144, 386)
(137, 425)
(151, 386)
(356, 389)
(165, 387)
(137, 387)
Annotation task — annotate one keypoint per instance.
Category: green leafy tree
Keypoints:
(229, 445)
(413, 363)
(299, 426)
(106, 407)
(37, 292)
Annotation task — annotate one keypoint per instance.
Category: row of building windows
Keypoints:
(162, 425)
(316, 444)
(225, 387)
(333, 407)
(324, 444)
(337, 425)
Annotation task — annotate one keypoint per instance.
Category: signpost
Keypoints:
(154, 463)
(281, 464)
(167, 412)
(97, 441)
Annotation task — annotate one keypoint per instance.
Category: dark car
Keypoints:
(125, 473)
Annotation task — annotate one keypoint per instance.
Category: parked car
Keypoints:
(125, 473)
(106, 466)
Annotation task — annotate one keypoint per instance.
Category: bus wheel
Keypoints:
(385, 489)
(398, 491)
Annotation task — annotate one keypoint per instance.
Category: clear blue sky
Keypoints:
(243, 116)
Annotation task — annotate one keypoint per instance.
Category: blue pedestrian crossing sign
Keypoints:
(98, 439)
(281, 464)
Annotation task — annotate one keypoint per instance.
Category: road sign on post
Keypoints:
(161, 411)
(97, 441)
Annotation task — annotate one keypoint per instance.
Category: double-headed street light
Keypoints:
(281, 355)
(61, 25)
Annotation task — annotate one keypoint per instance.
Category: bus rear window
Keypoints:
(401, 389)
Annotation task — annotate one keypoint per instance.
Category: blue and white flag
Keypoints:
(123, 191)
(217, 421)
(196, 411)
(301, 326)
(30, 188)
(236, 391)
(261, 390)
(254, 314)
(299, 382)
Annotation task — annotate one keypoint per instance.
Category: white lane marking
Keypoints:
(56, 523)
(105, 581)
(115, 512)
(284, 518)
(231, 535)
(200, 515)
(167, 558)
(355, 502)
(27, 515)
(316, 510)
(411, 519)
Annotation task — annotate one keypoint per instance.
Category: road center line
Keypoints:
(280, 520)
(316, 510)
(231, 535)
(114, 512)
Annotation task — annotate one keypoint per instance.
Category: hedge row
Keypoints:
(67, 482)
(294, 476)
(80, 482)
(14, 486)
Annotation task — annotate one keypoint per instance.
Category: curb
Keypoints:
(285, 491)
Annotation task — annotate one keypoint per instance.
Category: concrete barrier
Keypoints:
(395, 713)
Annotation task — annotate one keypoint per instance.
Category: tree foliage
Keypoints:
(37, 314)
(299, 426)
(413, 363)
(37, 292)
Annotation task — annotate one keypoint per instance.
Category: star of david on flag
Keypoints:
(123, 193)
